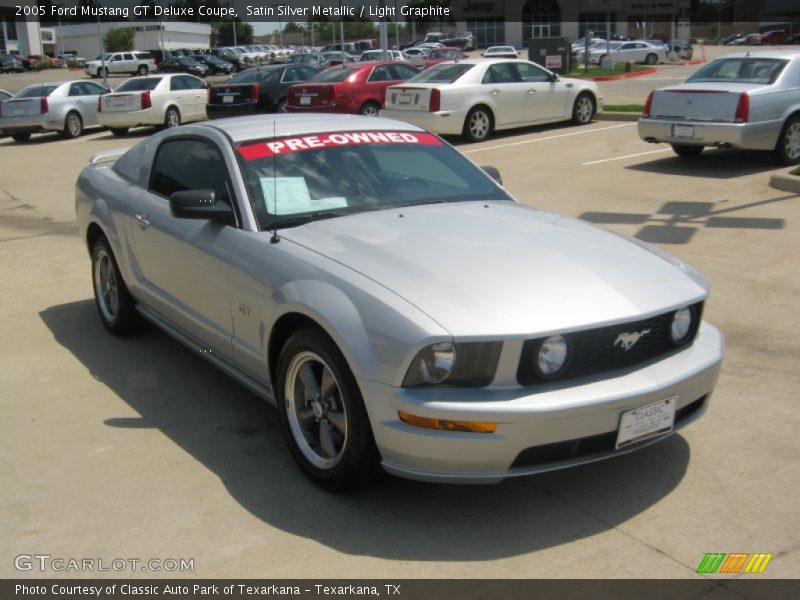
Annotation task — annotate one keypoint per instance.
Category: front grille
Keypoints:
(603, 443)
(603, 350)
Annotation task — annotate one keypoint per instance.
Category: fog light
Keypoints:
(446, 425)
(552, 355)
(681, 326)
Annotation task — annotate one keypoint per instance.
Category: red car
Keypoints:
(774, 37)
(349, 88)
(438, 55)
(29, 62)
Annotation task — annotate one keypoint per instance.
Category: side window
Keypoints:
(531, 73)
(116, 57)
(189, 165)
(127, 56)
(380, 73)
(291, 75)
(92, 89)
(76, 89)
(192, 83)
(403, 72)
(500, 73)
(176, 84)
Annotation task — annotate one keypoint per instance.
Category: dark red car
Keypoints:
(774, 37)
(439, 55)
(355, 88)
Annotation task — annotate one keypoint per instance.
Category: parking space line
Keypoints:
(597, 162)
(551, 137)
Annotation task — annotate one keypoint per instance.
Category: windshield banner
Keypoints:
(301, 143)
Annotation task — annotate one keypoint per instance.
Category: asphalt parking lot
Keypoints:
(137, 448)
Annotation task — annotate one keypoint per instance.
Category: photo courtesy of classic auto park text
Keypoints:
(399, 292)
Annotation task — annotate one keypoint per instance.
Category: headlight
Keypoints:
(553, 355)
(681, 327)
(469, 364)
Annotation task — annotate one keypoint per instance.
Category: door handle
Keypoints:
(142, 221)
(531, 91)
(569, 85)
(495, 91)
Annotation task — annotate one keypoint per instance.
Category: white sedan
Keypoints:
(475, 97)
(166, 100)
(622, 52)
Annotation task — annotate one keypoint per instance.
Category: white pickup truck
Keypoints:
(127, 63)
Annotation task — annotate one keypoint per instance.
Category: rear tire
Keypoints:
(583, 110)
(369, 109)
(687, 150)
(115, 305)
(323, 414)
(651, 59)
(172, 118)
(787, 149)
(281, 106)
(119, 131)
(73, 126)
(478, 125)
(21, 137)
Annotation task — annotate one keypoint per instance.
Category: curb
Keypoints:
(784, 181)
(621, 76)
(617, 116)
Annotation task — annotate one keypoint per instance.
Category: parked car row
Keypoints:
(773, 37)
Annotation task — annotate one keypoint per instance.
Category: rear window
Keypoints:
(441, 74)
(142, 84)
(249, 76)
(333, 75)
(37, 91)
(741, 70)
(445, 54)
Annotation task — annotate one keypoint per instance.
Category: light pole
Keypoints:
(102, 53)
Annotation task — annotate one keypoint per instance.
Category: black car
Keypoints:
(262, 89)
(160, 56)
(183, 64)
(215, 64)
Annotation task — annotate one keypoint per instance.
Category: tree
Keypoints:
(292, 27)
(223, 33)
(119, 39)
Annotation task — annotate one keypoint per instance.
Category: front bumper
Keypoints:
(528, 419)
(130, 118)
(443, 122)
(761, 135)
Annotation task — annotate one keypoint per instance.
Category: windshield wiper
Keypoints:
(306, 218)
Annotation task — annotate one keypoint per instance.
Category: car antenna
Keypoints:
(274, 239)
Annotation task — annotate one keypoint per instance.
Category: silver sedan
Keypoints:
(65, 106)
(749, 100)
(399, 307)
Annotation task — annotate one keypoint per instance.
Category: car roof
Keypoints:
(786, 54)
(241, 129)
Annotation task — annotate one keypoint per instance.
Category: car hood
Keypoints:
(503, 269)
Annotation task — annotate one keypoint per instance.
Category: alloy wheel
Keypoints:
(479, 124)
(106, 286)
(792, 141)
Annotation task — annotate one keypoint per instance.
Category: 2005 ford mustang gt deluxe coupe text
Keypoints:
(400, 308)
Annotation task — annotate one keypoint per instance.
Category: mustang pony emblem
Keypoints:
(628, 340)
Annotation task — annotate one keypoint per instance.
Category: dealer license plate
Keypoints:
(227, 99)
(404, 99)
(305, 100)
(683, 131)
(646, 422)
(119, 101)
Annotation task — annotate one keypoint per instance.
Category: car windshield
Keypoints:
(441, 74)
(37, 91)
(444, 54)
(740, 70)
(332, 76)
(293, 180)
(139, 84)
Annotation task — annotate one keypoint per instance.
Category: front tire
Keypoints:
(787, 150)
(21, 137)
(102, 73)
(323, 414)
(119, 131)
(73, 126)
(115, 305)
(142, 70)
(651, 59)
(687, 150)
(172, 118)
(583, 110)
(478, 125)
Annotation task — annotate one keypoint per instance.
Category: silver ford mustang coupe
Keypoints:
(400, 308)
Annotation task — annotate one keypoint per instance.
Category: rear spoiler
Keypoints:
(107, 156)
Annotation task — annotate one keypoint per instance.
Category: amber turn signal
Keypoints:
(443, 424)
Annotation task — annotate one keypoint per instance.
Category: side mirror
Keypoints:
(554, 77)
(200, 204)
(493, 172)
